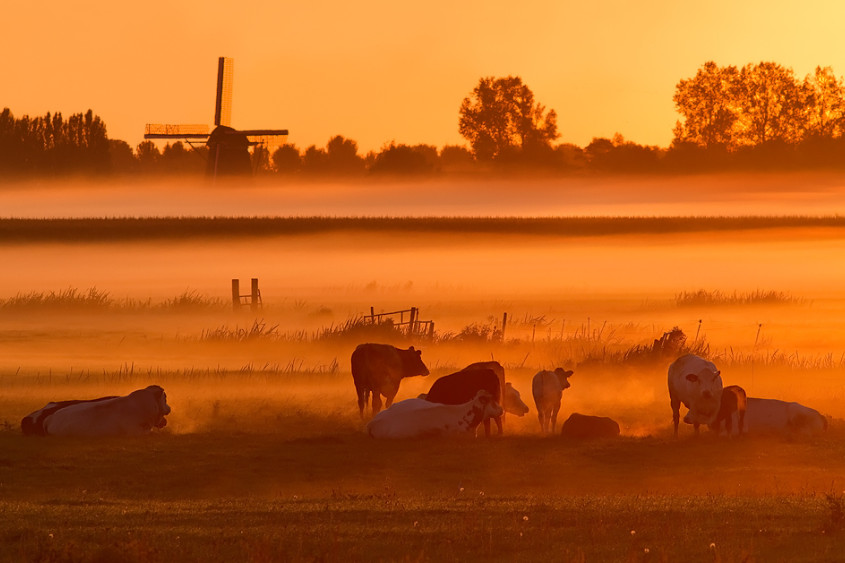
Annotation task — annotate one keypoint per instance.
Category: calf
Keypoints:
(547, 387)
(417, 418)
(378, 369)
(697, 384)
(585, 427)
(733, 401)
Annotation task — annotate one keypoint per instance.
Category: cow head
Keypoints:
(512, 401)
(563, 376)
(705, 389)
(161, 403)
(412, 363)
(484, 407)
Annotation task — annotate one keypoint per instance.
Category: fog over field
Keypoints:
(738, 194)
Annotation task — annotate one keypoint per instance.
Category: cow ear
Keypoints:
(411, 349)
(718, 372)
(692, 378)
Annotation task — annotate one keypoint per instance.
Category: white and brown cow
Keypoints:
(782, 418)
(460, 387)
(418, 418)
(134, 414)
(379, 368)
(547, 388)
(697, 384)
(734, 404)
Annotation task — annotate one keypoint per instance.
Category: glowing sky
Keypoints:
(378, 71)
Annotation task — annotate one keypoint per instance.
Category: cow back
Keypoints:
(33, 423)
(376, 364)
(583, 427)
(462, 386)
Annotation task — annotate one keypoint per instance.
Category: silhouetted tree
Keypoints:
(287, 160)
(454, 158)
(403, 159)
(770, 104)
(824, 96)
(501, 117)
(149, 156)
(314, 160)
(708, 104)
(122, 158)
(342, 156)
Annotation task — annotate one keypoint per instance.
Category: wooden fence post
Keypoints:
(413, 318)
(504, 324)
(236, 294)
(255, 295)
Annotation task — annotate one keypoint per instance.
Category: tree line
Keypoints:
(756, 117)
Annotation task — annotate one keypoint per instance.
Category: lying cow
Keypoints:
(782, 418)
(586, 427)
(547, 388)
(459, 387)
(697, 384)
(733, 403)
(135, 414)
(378, 369)
(417, 418)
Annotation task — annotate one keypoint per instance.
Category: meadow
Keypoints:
(264, 458)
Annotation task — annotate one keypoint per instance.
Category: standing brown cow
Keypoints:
(378, 369)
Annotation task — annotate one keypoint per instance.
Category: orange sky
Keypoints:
(378, 71)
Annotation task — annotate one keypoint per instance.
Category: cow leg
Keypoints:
(362, 401)
(487, 427)
(554, 418)
(499, 424)
(376, 402)
(541, 417)
(676, 413)
(741, 421)
(729, 425)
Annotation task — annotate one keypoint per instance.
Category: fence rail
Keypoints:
(416, 327)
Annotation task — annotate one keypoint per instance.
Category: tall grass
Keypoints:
(95, 300)
(704, 298)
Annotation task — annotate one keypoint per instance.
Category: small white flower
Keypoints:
(633, 532)
(525, 518)
(712, 546)
(645, 550)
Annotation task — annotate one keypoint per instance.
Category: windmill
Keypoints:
(228, 148)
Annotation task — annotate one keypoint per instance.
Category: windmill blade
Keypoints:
(269, 138)
(223, 104)
(165, 131)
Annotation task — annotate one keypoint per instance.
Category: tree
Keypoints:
(500, 118)
(825, 103)
(148, 156)
(404, 159)
(708, 104)
(342, 156)
(286, 159)
(122, 158)
(770, 104)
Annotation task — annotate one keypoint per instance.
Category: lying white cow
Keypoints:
(135, 414)
(416, 418)
(697, 384)
(781, 418)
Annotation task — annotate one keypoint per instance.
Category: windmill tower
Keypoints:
(228, 148)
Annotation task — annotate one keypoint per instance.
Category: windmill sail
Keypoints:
(223, 104)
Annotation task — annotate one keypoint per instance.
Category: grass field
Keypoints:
(264, 458)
